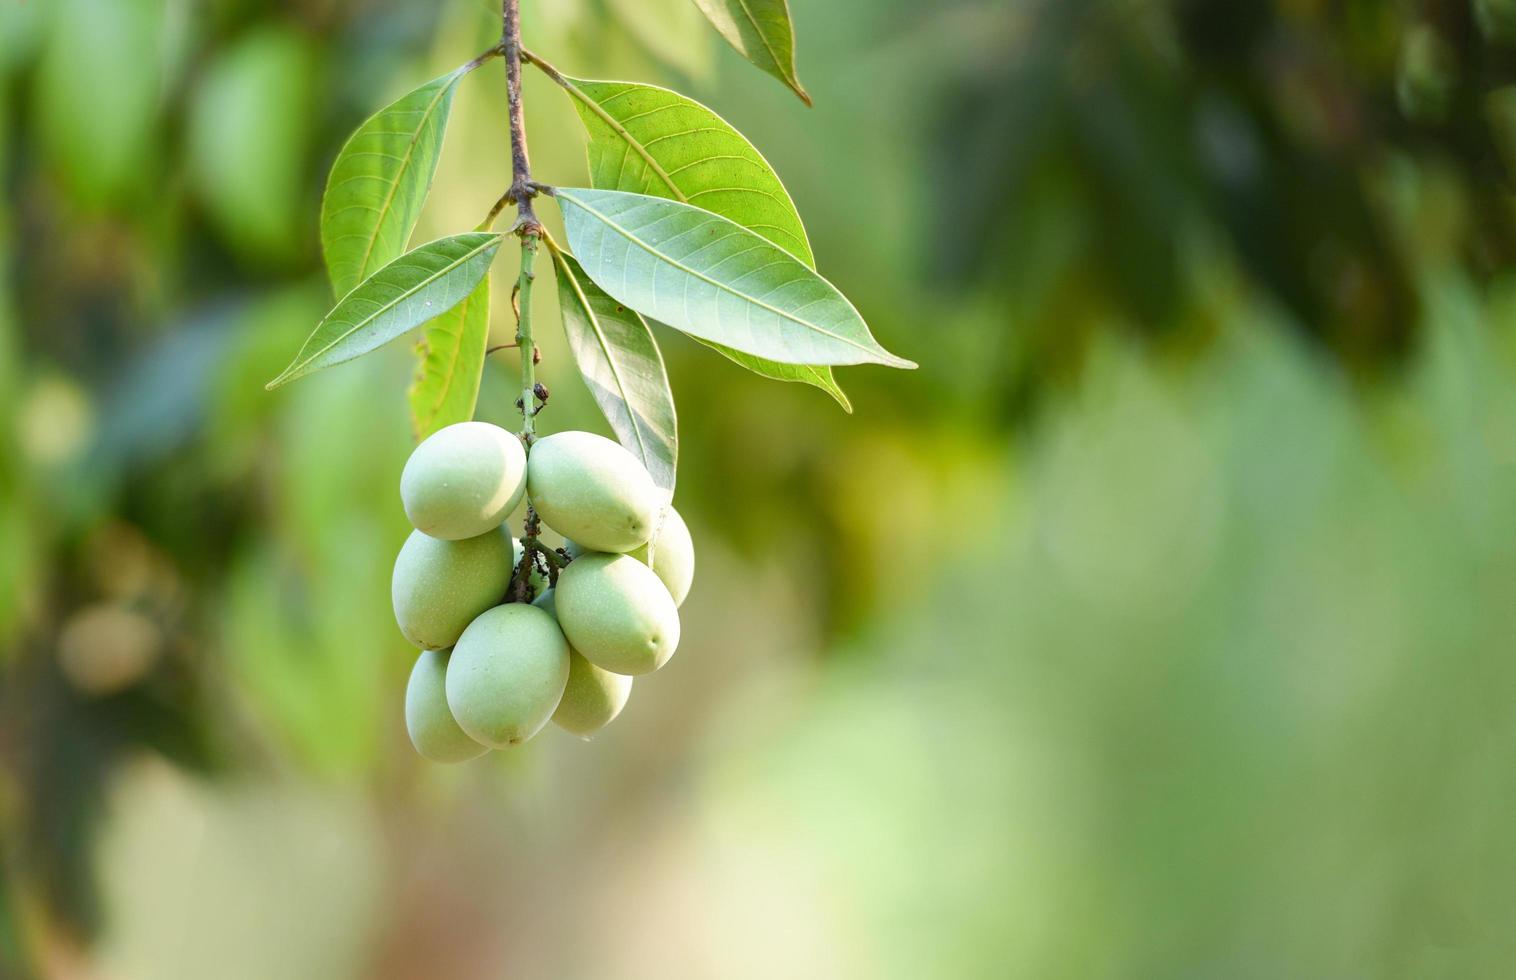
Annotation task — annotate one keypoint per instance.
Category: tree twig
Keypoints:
(527, 227)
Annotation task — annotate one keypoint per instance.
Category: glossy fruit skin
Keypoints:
(463, 480)
(673, 556)
(593, 696)
(428, 720)
(617, 613)
(440, 586)
(591, 489)
(507, 674)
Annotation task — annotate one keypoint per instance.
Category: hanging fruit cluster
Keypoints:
(514, 633)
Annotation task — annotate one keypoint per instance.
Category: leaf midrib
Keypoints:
(359, 325)
(405, 162)
(626, 136)
(717, 283)
(748, 13)
(589, 312)
(452, 371)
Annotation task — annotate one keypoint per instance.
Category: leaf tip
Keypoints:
(283, 378)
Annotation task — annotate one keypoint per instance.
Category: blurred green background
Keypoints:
(1160, 625)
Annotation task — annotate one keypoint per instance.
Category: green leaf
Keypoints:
(762, 32)
(649, 140)
(413, 289)
(623, 369)
(714, 279)
(446, 387)
(379, 183)
(818, 375)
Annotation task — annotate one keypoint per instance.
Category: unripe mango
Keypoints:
(440, 586)
(673, 556)
(588, 488)
(433, 729)
(593, 697)
(617, 613)
(463, 480)
(507, 674)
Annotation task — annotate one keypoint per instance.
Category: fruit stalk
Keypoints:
(529, 230)
(521, 192)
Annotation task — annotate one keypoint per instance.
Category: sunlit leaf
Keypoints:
(762, 31)
(413, 289)
(379, 183)
(649, 140)
(446, 387)
(623, 369)
(714, 279)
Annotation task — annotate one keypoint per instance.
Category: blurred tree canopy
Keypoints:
(1029, 198)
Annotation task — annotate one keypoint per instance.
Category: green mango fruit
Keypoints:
(617, 613)
(463, 480)
(591, 489)
(594, 696)
(507, 674)
(440, 586)
(433, 729)
(673, 556)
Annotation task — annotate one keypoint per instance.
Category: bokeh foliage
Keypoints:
(1158, 625)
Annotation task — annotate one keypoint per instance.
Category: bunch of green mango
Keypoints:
(500, 658)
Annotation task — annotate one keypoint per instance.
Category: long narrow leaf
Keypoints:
(623, 369)
(413, 289)
(713, 279)
(650, 140)
(379, 182)
(446, 388)
(762, 31)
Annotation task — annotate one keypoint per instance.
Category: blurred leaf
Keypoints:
(380, 180)
(623, 369)
(21, 26)
(1427, 75)
(248, 134)
(711, 278)
(762, 32)
(1496, 19)
(649, 140)
(452, 359)
(411, 290)
(670, 30)
(99, 95)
